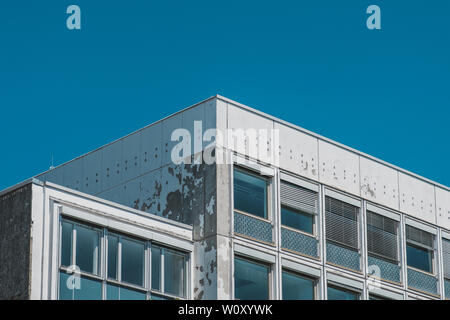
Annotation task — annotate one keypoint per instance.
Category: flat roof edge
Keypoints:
(134, 132)
(335, 143)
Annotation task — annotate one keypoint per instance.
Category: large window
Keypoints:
(382, 237)
(298, 207)
(168, 263)
(338, 293)
(419, 249)
(250, 193)
(96, 263)
(341, 223)
(446, 258)
(126, 259)
(342, 234)
(297, 287)
(251, 280)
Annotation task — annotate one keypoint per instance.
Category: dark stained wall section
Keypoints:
(15, 226)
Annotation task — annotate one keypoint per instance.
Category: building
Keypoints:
(280, 213)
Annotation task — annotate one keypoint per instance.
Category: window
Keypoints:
(446, 258)
(132, 270)
(341, 223)
(297, 287)
(298, 207)
(87, 249)
(337, 293)
(296, 219)
(382, 237)
(250, 193)
(80, 247)
(419, 249)
(251, 280)
(123, 276)
(168, 271)
(342, 234)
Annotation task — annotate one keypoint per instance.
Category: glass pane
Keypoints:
(297, 220)
(133, 262)
(340, 294)
(87, 251)
(251, 280)
(112, 292)
(296, 287)
(66, 244)
(173, 273)
(158, 297)
(250, 194)
(129, 294)
(65, 293)
(89, 290)
(112, 256)
(156, 268)
(419, 258)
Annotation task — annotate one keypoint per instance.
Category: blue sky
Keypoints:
(314, 63)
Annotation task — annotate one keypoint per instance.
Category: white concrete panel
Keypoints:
(256, 133)
(112, 165)
(298, 152)
(131, 161)
(93, 172)
(221, 115)
(114, 194)
(73, 175)
(379, 183)
(149, 198)
(417, 198)
(194, 121)
(169, 125)
(338, 168)
(132, 189)
(171, 196)
(151, 146)
(443, 207)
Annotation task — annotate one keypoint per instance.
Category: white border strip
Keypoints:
(344, 198)
(253, 166)
(345, 281)
(255, 254)
(299, 182)
(301, 268)
(421, 226)
(386, 293)
(383, 212)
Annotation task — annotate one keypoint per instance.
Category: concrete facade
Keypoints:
(136, 175)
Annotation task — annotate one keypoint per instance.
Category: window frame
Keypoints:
(398, 236)
(314, 280)
(269, 185)
(344, 288)
(359, 225)
(103, 277)
(270, 276)
(417, 245)
(431, 251)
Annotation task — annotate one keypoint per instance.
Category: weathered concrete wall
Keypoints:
(15, 226)
(317, 158)
(138, 170)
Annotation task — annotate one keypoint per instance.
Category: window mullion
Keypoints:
(161, 280)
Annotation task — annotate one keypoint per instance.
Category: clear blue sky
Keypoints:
(314, 63)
